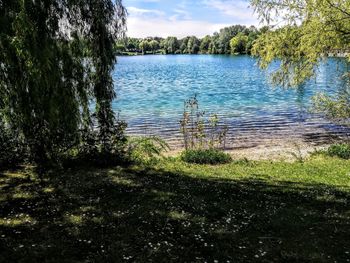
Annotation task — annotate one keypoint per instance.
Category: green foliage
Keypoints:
(144, 46)
(339, 150)
(284, 45)
(154, 45)
(91, 149)
(193, 45)
(200, 132)
(205, 43)
(183, 46)
(146, 149)
(239, 44)
(324, 27)
(335, 108)
(12, 148)
(170, 45)
(205, 156)
(203, 138)
(226, 34)
(219, 43)
(313, 31)
(57, 56)
(120, 48)
(132, 44)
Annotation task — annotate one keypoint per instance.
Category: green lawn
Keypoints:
(174, 212)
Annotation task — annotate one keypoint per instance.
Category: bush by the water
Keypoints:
(339, 150)
(97, 149)
(146, 149)
(199, 131)
(204, 138)
(206, 156)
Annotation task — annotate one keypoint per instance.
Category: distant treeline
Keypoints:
(235, 39)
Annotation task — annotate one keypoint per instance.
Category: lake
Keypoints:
(151, 91)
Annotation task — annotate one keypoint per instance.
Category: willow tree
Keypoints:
(304, 32)
(56, 58)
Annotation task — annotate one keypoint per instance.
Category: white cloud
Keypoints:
(162, 27)
(238, 10)
(145, 1)
(139, 11)
(180, 23)
(180, 14)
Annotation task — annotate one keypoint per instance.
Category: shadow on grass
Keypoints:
(148, 215)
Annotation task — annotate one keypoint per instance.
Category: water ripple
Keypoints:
(151, 91)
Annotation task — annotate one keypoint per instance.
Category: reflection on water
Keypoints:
(151, 91)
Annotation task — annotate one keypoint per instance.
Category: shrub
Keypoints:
(339, 150)
(102, 151)
(205, 156)
(200, 131)
(146, 149)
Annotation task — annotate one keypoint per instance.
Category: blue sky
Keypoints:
(185, 17)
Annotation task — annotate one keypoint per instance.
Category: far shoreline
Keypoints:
(160, 54)
(136, 54)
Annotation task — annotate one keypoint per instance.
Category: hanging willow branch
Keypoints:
(56, 56)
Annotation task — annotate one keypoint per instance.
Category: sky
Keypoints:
(182, 18)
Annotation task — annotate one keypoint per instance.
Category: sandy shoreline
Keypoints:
(280, 138)
(273, 151)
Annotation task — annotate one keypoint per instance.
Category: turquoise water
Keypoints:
(151, 91)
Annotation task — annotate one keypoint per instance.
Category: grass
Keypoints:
(206, 156)
(176, 212)
(339, 150)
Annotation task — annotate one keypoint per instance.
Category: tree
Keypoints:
(184, 45)
(55, 57)
(171, 44)
(132, 44)
(239, 43)
(313, 29)
(325, 26)
(144, 46)
(193, 45)
(214, 44)
(204, 46)
(120, 47)
(226, 34)
(253, 34)
(154, 45)
(219, 43)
